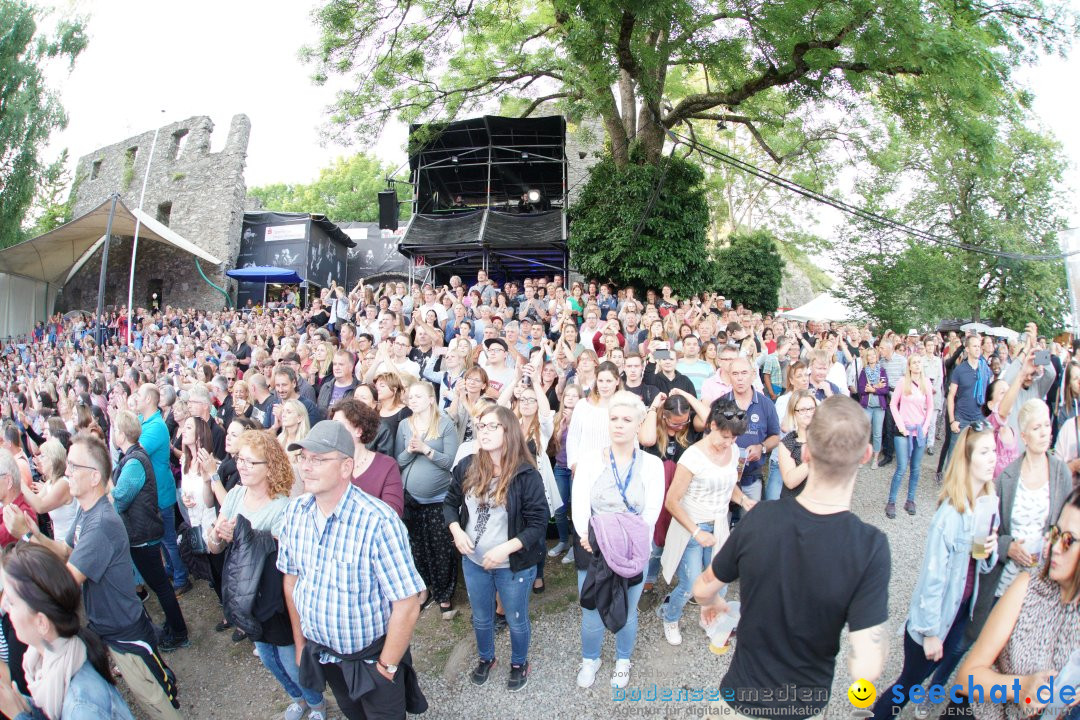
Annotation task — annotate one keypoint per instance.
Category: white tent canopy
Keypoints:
(55, 256)
(823, 307)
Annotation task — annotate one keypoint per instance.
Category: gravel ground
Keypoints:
(222, 679)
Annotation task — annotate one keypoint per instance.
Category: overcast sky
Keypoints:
(238, 56)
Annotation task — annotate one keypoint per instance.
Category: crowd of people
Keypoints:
(333, 470)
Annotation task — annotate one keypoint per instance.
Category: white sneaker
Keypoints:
(295, 711)
(558, 550)
(568, 557)
(672, 634)
(587, 674)
(621, 677)
(671, 629)
(316, 715)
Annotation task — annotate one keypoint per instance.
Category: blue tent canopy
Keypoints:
(265, 274)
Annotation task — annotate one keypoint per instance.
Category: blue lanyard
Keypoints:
(623, 484)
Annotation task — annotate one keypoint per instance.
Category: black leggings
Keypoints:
(433, 550)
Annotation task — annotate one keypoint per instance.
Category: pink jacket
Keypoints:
(912, 410)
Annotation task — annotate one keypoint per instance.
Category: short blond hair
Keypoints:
(126, 422)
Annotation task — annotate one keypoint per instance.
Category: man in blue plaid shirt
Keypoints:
(350, 584)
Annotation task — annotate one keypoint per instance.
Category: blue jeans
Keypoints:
(562, 480)
(593, 630)
(907, 452)
(174, 566)
(877, 421)
(773, 482)
(654, 563)
(695, 559)
(514, 590)
(281, 662)
(917, 668)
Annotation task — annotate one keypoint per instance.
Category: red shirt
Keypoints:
(7, 538)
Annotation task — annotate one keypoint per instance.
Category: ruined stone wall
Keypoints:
(198, 194)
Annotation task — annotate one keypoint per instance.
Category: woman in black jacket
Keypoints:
(498, 516)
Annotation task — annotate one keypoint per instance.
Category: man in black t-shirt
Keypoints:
(806, 566)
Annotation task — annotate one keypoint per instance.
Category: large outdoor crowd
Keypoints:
(330, 466)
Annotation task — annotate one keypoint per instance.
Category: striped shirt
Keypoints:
(350, 567)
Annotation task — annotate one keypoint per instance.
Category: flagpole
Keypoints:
(135, 241)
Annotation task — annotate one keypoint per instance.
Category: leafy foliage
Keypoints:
(749, 270)
(671, 247)
(54, 203)
(347, 191)
(647, 67)
(29, 111)
(1007, 199)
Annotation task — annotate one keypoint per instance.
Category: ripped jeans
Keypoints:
(514, 589)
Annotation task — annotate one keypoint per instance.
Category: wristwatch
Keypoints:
(392, 669)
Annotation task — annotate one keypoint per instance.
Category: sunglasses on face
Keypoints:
(734, 414)
(1067, 538)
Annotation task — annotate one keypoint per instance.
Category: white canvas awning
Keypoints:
(823, 307)
(55, 256)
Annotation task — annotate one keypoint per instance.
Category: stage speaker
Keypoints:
(388, 210)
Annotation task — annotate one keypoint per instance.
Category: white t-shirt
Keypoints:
(709, 492)
(1030, 509)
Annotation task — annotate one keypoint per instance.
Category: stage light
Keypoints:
(524, 155)
(534, 196)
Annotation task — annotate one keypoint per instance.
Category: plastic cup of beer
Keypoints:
(1034, 547)
(721, 628)
(986, 508)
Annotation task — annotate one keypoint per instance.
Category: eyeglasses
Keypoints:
(806, 409)
(248, 463)
(316, 460)
(527, 400)
(488, 427)
(671, 422)
(77, 465)
(1067, 538)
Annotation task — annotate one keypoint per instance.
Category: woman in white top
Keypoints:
(613, 477)
(196, 467)
(52, 496)
(705, 482)
(589, 424)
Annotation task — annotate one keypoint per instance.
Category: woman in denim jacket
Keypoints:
(942, 603)
(67, 666)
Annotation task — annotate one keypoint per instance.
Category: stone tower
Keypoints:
(198, 194)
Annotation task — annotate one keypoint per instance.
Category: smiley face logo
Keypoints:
(862, 694)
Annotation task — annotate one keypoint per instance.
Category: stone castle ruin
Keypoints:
(198, 194)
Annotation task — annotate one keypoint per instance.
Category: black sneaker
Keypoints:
(185, 588)
(223, 626)
(519, 677)
(170, 643)
(482, 671)
(239, 635)
(500, 623)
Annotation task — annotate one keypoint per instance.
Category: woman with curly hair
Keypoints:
(373, 472)
(262, 495)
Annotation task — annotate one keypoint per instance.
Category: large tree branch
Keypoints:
(749, 123)
(773, 77)
(540, 101)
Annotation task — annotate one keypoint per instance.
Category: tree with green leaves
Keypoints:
(643, 225)
(29, 110)
(647, 68)
(347, 191)
(749, 269)
(1005, 198)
